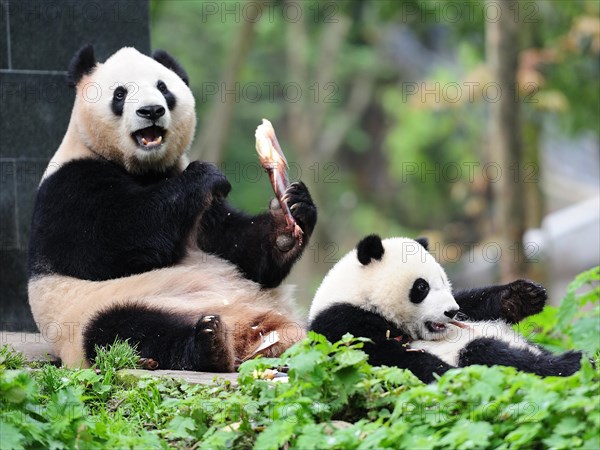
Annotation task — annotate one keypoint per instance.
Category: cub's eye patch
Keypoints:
(118, 100)
(419, 290)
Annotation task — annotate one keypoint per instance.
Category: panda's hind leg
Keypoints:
(173, 340)
(212, 347)
(494, 352)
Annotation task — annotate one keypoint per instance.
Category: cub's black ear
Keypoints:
(424, 242)
(83, 63)
(369, 248)
(171, 63)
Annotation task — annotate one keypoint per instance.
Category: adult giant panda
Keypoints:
(393, 292)
(130, 241)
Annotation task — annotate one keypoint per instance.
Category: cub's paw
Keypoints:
(566, 364)
(479, 351)
(213, 348)
(522, 298)
(208, 178)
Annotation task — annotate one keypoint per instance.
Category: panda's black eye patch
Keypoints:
(120, 93)
(419, 290)
(118, 100)
(167, 94)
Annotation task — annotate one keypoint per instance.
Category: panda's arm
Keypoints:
(389, 346)
(511, 302)
(260, 246)
(94, 221)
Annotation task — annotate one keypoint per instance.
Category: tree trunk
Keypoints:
(506, 151)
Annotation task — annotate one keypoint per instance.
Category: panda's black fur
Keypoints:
(386, 349)
(392, 341)
(129, 241)
(128, 224)
(179, 342)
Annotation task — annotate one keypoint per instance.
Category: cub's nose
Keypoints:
(451, 313)
(151, 112)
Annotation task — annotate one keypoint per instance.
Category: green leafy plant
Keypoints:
(11, 359)
(575, 323)
(331, 399)
(582, 325)
(119, 355)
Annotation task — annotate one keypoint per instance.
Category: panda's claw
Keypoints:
(209, 324)
(303, 215)
(147, 363)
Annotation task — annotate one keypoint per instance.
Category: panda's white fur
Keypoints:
(62, 306)
(455, 339)
(94, 131)
(383, 286)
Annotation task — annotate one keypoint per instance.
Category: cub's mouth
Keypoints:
(149, 138)
(436, 327)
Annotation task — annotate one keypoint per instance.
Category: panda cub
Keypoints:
(393, 292)
(129, 240)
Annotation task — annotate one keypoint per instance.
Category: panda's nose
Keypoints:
(451, 313)
(151, 112)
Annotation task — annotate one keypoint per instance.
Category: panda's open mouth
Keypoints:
(149, 138)
(435, 327)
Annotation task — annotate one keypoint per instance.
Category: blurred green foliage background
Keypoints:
(382, 107)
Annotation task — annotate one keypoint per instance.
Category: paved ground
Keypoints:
(32, 345)
(37, 349)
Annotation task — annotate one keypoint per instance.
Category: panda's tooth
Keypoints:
(159, 140)
(144, 141)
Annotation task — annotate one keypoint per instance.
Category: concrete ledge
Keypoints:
(32, 345)
(36, 349)
(130, 375)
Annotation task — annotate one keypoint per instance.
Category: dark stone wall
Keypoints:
(37, 40)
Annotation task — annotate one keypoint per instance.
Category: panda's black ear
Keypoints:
(83, 63)
(369, 248)
(424, 242)
(171, 63)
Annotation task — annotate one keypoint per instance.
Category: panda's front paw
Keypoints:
(208, 179)
(521, 299)
(304, 212)
(301, 205)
